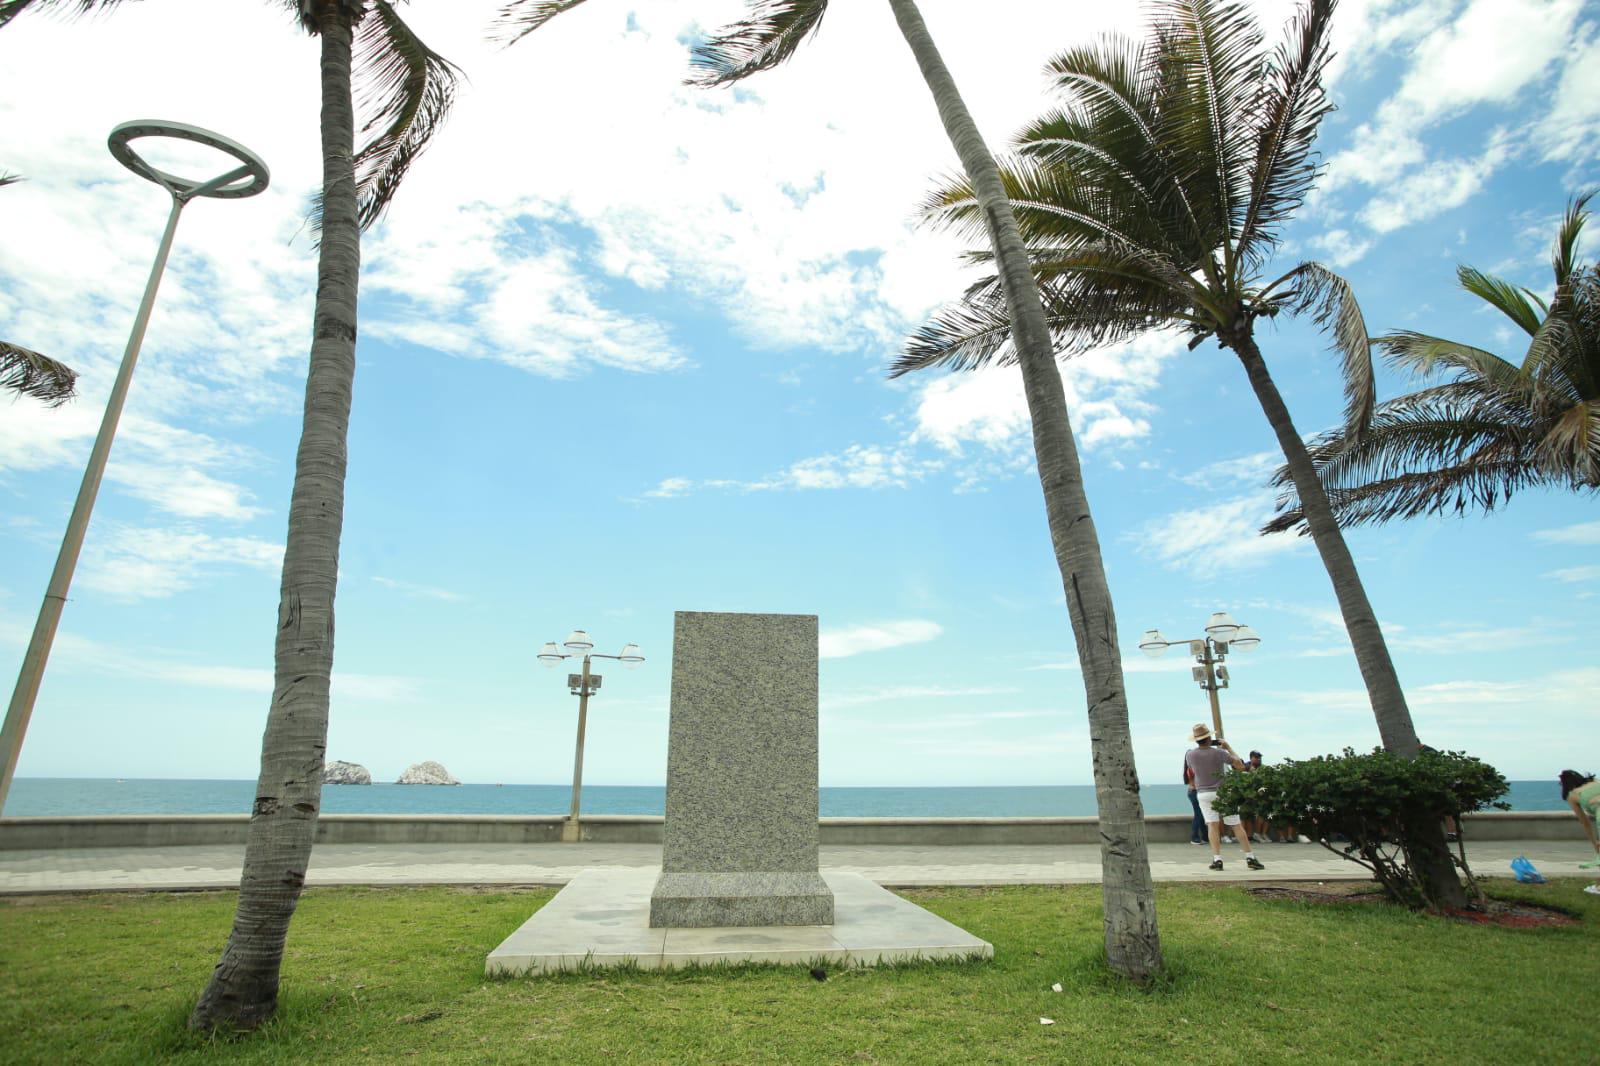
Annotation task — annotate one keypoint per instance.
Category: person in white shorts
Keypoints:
(1206, 760)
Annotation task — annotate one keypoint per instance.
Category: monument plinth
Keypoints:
(740, 839)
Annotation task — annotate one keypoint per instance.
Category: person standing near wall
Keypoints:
(1197, 828)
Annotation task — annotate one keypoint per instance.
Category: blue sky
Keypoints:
(623, 350)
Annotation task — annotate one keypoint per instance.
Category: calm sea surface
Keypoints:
(60, 795)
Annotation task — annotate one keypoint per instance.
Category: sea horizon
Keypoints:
(90, 796)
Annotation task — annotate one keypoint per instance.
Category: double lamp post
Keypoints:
(582, 685)
(1223, 635)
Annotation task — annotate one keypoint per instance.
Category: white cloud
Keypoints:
(423, 592)
(879, 636)
(1461, 57)
(1174, 663)
(1581, 533)
(1574, 574)
(1216, 537)
(73, 652)
(908, 692)
(670, 487)
(1340, 248)
(987, 408)
(132, 563)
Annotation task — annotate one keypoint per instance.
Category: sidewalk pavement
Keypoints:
(201, 867)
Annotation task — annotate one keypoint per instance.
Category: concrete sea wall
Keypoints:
(122, 831)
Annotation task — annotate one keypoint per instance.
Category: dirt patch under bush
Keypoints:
(1507, 915)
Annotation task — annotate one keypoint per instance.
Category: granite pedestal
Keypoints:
(740, 836)
(601, 919)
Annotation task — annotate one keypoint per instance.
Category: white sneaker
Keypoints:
(1593, 890)
(1302, 838)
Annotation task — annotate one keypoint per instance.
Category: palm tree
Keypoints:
(1152, 198)
(772, 33)
(1493, 427)
(26, 372)
(408, 89)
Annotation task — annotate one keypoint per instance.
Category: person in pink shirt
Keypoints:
(1207, 760)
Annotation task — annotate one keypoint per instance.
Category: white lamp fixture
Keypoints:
(1153, 643)
(630, 656)
(579, 643)
(549, 655)
(1244, 639)
(1221, 627)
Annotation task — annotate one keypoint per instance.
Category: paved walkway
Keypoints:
(99, 869)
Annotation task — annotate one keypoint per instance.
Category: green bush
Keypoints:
(1386, 808)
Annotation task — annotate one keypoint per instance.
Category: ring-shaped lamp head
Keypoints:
(249, 178)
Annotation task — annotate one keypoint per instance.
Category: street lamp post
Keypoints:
(1223, 634)
(247, 179)
(582, 685)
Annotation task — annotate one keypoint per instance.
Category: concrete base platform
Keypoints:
(601, 919)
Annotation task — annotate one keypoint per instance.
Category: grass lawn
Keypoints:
(380, 974)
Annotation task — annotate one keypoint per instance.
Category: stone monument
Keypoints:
(739, 879)
(740, 839)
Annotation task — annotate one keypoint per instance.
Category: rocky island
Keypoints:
(340, 772)
(426, 773)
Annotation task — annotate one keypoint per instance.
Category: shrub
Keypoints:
(1385, 807)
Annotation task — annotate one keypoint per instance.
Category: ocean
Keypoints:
(69, 796)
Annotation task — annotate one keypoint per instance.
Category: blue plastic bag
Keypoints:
(1525, 871)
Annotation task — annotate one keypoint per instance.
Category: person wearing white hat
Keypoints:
(1206, 760)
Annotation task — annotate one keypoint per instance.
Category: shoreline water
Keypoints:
(60, 796)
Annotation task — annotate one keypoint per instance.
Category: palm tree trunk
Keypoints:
(1133, 944)
(1432, 858)
(243, 991)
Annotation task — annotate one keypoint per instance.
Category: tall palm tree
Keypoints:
(1152, 198)
(772, 33)
(407, 88)
(26, 372)
(1494, 426)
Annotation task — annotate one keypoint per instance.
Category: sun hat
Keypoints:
(1201, 731)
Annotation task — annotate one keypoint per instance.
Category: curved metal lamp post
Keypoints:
(583, 686)
(1222, 634)
(247, 179)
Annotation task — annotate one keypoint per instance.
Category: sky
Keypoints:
(623, 351)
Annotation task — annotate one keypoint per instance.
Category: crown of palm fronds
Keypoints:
(1493, 427)
(30, 374)
(1153, 193)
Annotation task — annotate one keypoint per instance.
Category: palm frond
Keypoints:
(1291, 110)
(10, 9)
(9, 179)
(1422, 354)
(1571, 444)
(962, 336)
(772, 33)
(1332, 305)
(1505, 297)
(518, 18)
(408, 88)
(1092, 297)
(1420, 453)
(1110, 88)
(28, 373)
(1564, 260)
(1466, 487)
(1211, 52)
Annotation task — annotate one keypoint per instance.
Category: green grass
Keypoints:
(378, 975)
